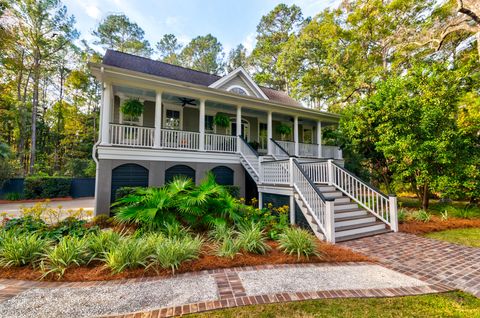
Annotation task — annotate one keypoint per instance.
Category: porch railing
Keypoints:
(250, 156)
(278, 152)
(308, 150)
(288, 146)
(134, 136)
(275, 172)
(331, 152)
(382, 206)
(179, 139)
(220, 143)
(317, 171)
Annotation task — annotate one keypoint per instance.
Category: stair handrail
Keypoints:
(320, 207)
(368, 196)
(283, 153)
(253, 152)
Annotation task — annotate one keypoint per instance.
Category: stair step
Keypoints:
(358, 229)
(324, 188)
(355, 220)
(350, 213)
(333, 194)
(345, 207)
(357, 236)
(342, 200)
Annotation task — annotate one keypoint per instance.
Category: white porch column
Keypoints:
(292, 210)
(269, 132)
(158, 120)
(106, 113)
(201, 125)
(295, 134)
(319, 138)
(239, 126)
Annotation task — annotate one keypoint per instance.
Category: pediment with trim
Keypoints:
(239, 82)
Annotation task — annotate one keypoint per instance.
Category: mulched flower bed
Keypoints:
(437, 224)
(98, 272)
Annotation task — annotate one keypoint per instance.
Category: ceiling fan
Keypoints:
(187, 101)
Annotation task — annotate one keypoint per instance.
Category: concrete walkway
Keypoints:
(432, 261)
(75, 204)
(206, 290)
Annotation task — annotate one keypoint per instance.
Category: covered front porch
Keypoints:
(179, 122)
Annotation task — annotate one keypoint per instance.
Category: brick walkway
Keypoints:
(432, 261)
(231, 291)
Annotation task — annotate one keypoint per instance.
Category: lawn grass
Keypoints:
(468, 237)
(453, 304)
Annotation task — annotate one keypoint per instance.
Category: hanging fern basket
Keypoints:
(221, 120)
(284, 129)
(132, 107)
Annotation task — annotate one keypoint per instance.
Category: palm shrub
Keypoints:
(298, 241)
(151, 207)
(70, 251)
(129, 253)
(251, 238)
(172, 252)
(20, 249)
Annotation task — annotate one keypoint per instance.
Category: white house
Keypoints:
(254, 137)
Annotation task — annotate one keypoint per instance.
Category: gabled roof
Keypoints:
(240, 72)
(174, 72)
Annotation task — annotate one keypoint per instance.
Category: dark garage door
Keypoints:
(223, 175)
(128, 175)
(179, 170)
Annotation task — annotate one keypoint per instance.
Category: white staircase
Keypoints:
(337, 205)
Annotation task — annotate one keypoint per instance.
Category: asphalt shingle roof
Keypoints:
(158, 68)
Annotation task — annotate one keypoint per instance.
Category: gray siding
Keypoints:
(190, 119)
(149, 114)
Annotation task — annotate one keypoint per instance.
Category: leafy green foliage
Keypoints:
(172, 252)
(47, 187)
(117, 32)
(203, 53)
(251, 238)
(20, 249)
(273, 220)
(179, 202)
(132, 107)
(298, 242)
(129, 253)
(227, 247)
(422, 215)
(101, 243)
(70, 251)
(221, 120)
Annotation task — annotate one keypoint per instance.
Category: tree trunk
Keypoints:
(36, 84)
(425, 197)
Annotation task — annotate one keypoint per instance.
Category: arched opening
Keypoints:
(128, 175)
(179, 170)
(223, 175)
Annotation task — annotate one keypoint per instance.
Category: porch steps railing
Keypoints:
(336, 204)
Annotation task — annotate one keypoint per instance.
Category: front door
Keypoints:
(245, 131)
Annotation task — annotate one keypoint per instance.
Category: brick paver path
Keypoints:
(230, 290)
(433, 261)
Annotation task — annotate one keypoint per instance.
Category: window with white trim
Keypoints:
(238, 90)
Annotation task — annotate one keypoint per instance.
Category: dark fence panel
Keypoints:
(82, 187)
(14, 185)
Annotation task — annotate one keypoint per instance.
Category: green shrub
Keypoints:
(228, 247)
(13, 196)
(251, 238)
(298, 241)
(220, 232)
(27, 224)
(102, 220)
(47, 187)
(172, 252)
(103, 242)
(129, 253)
(21, 249)
(70, 227)
(233, 190)
(422, 215)
(125, 191)
(402, 215)
(174, 230)
(70, 251)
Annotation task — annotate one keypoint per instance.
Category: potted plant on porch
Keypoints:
(284, 130)
(132, 107)
(221, 120)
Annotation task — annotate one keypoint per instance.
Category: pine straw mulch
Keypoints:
(436, 224)
(98, 271)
